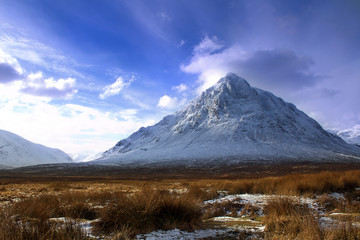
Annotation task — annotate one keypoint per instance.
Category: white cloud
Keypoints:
(60, 84)
(210, 65)
(34, 83)
(70, 127)
(170, 102)
(115, 88)
(180, 88)
(35, 76)
(38, 86)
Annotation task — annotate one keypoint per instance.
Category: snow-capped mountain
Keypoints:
(351, 135)
(16, 151)
(231, 122)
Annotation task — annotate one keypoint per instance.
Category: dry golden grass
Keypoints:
(345, 231)
(295, 184)
(286, 218)
(149, 210)
(16, 227)
(128, 207)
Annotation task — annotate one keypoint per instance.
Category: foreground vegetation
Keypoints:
(115, 209)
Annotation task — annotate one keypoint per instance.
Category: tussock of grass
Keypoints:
(148, 210)
(286, 218)
(13, 228)
(42, 207)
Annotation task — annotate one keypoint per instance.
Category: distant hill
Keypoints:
(351, 135)
(16, 151)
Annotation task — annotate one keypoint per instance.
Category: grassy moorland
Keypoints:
(324, 205)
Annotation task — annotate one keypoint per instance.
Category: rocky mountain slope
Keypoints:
(231, 122)
(16, 151)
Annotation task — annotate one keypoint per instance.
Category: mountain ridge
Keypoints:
(16, 151)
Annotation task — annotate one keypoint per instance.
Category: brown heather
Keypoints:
(149, 210)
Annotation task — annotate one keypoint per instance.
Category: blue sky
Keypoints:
(81, 75)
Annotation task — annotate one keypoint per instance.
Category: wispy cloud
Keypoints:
(168, 102)
(181, 43)
(115, 88)
(152, 21)
(207, 46)
(18, 44)
(180, 88)
(164, 16)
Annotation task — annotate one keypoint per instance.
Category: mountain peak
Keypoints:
(231, 121)
(231, 85)
(233, 79)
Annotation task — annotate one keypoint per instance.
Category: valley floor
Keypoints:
(323, 205)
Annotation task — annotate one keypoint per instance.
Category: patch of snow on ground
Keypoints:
(182, 235)
(259, 200)
(85, 225)
(337, 196)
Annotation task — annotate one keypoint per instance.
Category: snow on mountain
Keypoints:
(16, 151)
(351, 135)
(82, 157)
(231, 122)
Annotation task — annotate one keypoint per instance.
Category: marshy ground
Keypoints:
(322, 205)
